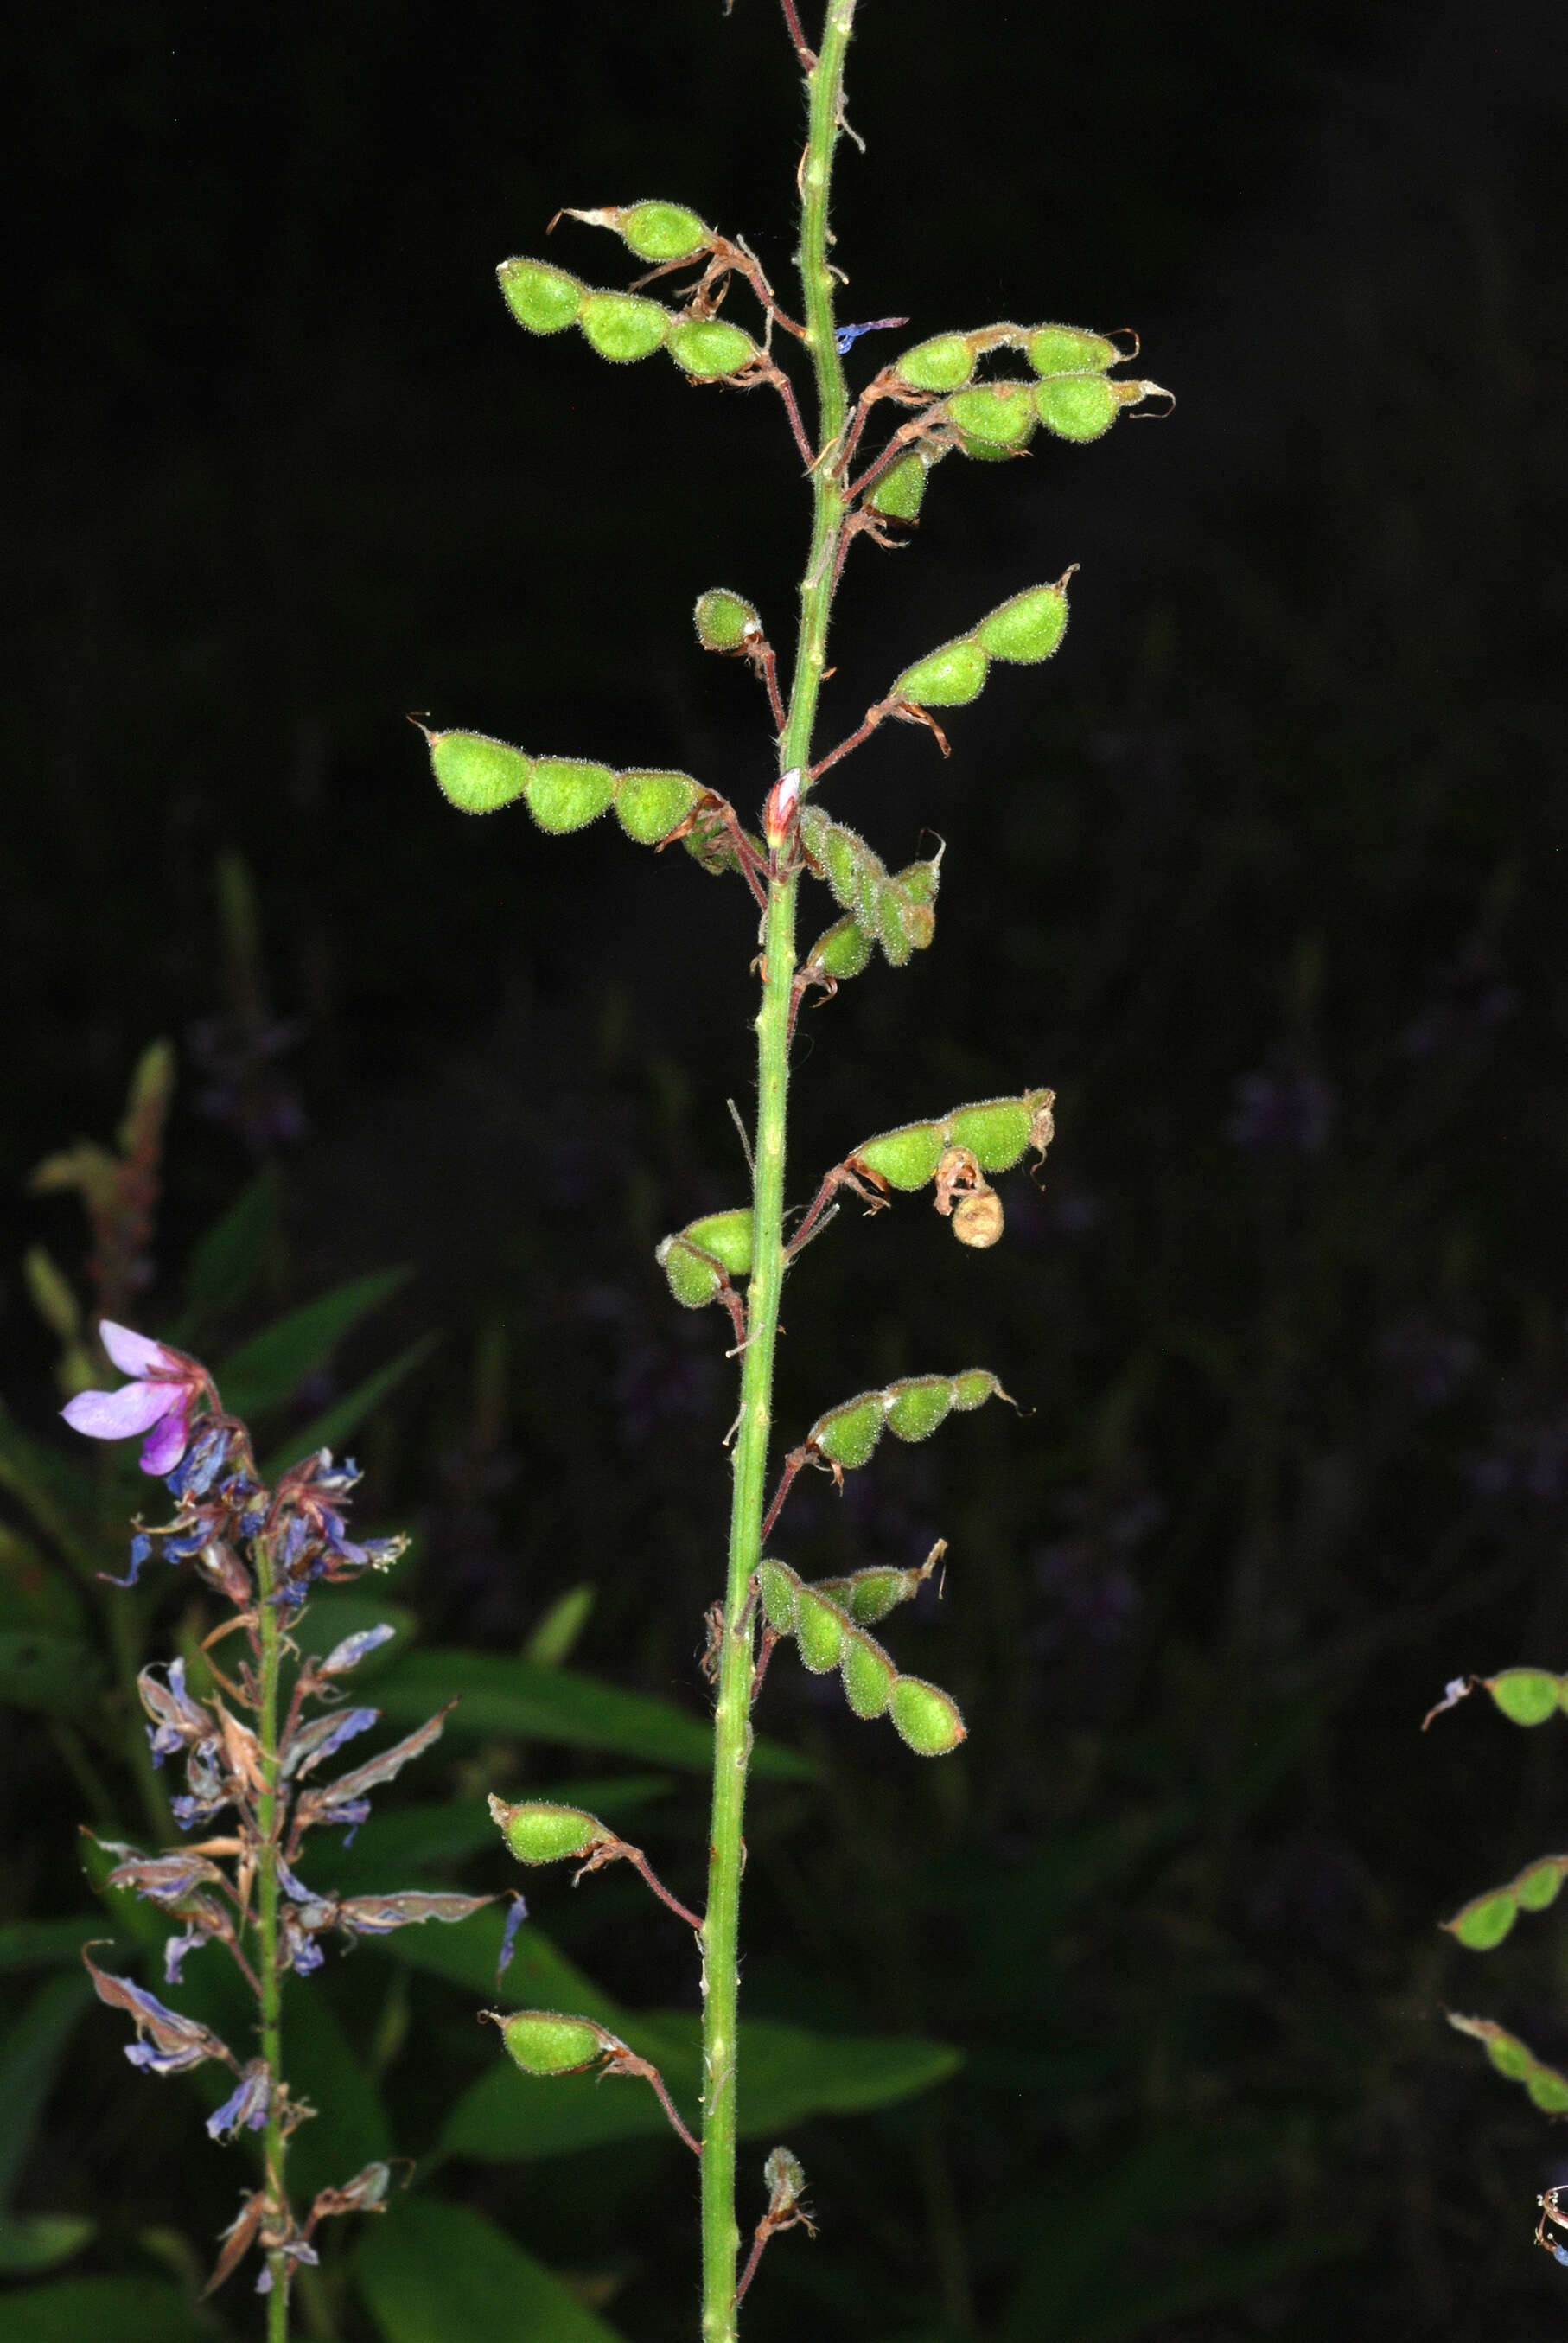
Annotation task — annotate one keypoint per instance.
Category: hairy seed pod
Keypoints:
(541, 2043)
(655, 231)
(978, 1219)
(1527, 1695)
(820, 1630)
(842, 951)
(918, 1406)
(948, 677)
(1080, 407)
(566, 793)
(926, 1717)
(901, 491)
(779, 1587)
(868, 1674)
(868, 1595)
(897, 923)
(1068, 349)
(648, 806)
(848, 1435)
(974, 1387)
(727, 1236)
(475, 773)
(695, 1277)
(995, 414)
(537, 1832)
(726, 621)
(1484, 1922)
(1028, 628)
(907, 1158)
(622, 326)
(944, 363)
(1539, 1884)
(707, 348)
(546, 300)
(994, 1130)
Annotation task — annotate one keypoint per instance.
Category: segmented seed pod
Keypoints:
(1028, 628)
(842, 951)
(566, 793)
(541, 2043)
(995, 414)
(868, 1595)
(944, 363)
(543, 300)
(1485, 1921)
(623, 327)
(901, 491)
(926, 1717)
(1540, 1883)
(695, 1277)
(901, 926)
(475, 773)
(778, 1588)
(653, 230)
(1084, 406)
(915, 1407)
(868, 1674)
(648, 806)
(919, 922)
(906, 1159)
(978, 1220)
(539, 1832)
(727, 1236)
(996, 1132)
(1527, 1695)
(1068, 349)
(974, 1387)
(848, 1435)
(820, 1630)
(710, 347)
(948, 677)
(726, 621)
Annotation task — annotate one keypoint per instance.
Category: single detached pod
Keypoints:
(926, 1717)
(726, 621)
(868, 1674)
(995, 414)
(566, 793)
(944, 363)
(475, 773)
(622, 326)
(648, 806)
(544, 299)
(820, 1629)
(948, 677)
(651, 230)
(1068, 349)
(708, 348)
(1029, 627)
(541, 2043)
(537, 1832)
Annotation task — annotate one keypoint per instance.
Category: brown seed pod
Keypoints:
(979, 1219)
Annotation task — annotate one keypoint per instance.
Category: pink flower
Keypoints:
(159, 1402)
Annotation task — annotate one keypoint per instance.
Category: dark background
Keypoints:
(1264, 873)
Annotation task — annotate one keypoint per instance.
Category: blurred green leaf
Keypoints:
(33, 1592)
(349, 2127)
(514, 1696)
(270, 1368)
(51, 1673)
(58, 1493)
(228, 1261)
(1128, 2308)
(436, 2273)
(30, 2050)
(126, 2309)
(33, 1944)
(466, 1955)
(552, 1641)
(337, 1423)
(31, 2242)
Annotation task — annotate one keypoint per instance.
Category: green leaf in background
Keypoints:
(30, 2052)
(339, 1421)
(1128, 2308)
(118, 2310)
(538, 1976)
(227, 1261)
(60, 1495)
(31, 2243)
(33, 1593)
(500, 1695)
(52, 1673)
(270, 1367)
(436, 2273)
(37, 1943)
(350, 2129)
(552, 1641)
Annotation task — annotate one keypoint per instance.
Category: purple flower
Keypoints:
(159, 1402)
(246, 2104)
(515, 1918)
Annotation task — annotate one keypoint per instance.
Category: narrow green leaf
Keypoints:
(229, 1258)
(438, 2273)
(501, 1696)
(30, 2050)
(350, 2129)
(337, 1423)
(51, 1673)
(126, 2309)
(37, 1943)
(538, 1977)
(552, 1640)
(270, 1368)
(34, 2242)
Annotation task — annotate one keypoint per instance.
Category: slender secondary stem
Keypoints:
(267, 1819)
(721, 2234)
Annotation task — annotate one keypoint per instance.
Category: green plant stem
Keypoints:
(720, 2232)
(268, 1968)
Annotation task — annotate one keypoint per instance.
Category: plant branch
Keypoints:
(270, 1637)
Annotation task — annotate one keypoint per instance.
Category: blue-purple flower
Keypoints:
(157, 1402)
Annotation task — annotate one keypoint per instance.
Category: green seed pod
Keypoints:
(919, 922)
(918, 1406)
(727, 1236)
(707, 348)
(567, 793)
(1028, 628)
(475, 774)
(1078, 405)
(726, 621)
(944, 363)
(841, 856)
(926, 1717)
(843, 951)
(648, 806)
(1484, 1922)
(901, 491)
(948, 677)
(869, 1596)
(995, 1130)
(695, 1277)
(848, 1435)
(779, 1588)
(870, 880)
(974, 1387)
(995, 414)
(869, 1676)
(921, 882)
(820, 1630)
(906, 1159)
(543, 2044)
(1548, 2089)
(1510, 2057)
(655, 231)
(546, 300)
(1067, 350)
(622, 326)
(899, 923)
(1539, 1885)
(537, 1832)
(1525, 1695)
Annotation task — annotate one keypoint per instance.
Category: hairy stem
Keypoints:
(267, 1817)
(721, 2234)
